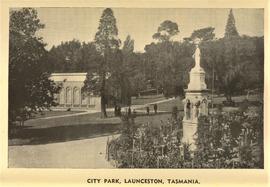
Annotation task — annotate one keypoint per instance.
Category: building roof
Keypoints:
(60, 77)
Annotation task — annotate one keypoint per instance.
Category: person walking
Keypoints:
(155, 108)
(119, 111)
(147, 110)
(115, 110)
(129, 111)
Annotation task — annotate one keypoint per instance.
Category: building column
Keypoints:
(80, 96)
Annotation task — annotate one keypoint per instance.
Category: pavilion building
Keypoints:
(71, 95)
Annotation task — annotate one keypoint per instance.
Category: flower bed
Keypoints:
(225, 140)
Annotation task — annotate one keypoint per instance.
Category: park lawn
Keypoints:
(154, 119)
(167, 106)
(43, 131)
(53, 113)
(146, 99)
(237, 99)
(69, 120)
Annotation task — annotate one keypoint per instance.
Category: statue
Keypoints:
(197, 54)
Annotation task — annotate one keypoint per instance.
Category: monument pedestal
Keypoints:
(195, 102)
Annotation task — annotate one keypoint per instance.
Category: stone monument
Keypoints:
(196, 100)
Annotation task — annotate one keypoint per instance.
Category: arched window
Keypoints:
(62, 97)
(68, 95)
(76, 96)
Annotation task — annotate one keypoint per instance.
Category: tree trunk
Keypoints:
(103, 106)
(103, 98)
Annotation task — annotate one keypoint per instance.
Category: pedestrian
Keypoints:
(119, 111)
(115, 110)
(155, 108)
(147, 110)
(129, 111)
(134, 112)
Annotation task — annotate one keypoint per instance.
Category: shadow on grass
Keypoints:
(29, 136)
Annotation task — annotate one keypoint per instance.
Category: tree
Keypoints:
(127, 70)
(167, 66)
(230, 30)
(66, 57)
(166, 30)
(128, 46)
(204, 34)
(30, 89)
(73, 56)
(107, 44)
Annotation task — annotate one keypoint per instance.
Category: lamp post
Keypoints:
(213, 84)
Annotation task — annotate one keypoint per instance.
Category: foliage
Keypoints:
(107, 44)
(230, 30)
(146, 146)
(168, 64)
(224, 140)
(74, 56)
(236, 63)
(233, 63)
(203, 34)
(30, 89)
(166, 30)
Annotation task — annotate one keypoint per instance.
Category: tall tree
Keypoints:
(166, 30)
(30, 89)
(107, 44)
(230, 30)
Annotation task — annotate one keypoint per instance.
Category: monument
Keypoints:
(196, 100)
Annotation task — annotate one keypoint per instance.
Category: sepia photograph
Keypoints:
(151, 88)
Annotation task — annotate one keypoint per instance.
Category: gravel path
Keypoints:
(88, 153)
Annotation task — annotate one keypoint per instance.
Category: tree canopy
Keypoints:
(30, 89)
(230, 29)
(166, 30)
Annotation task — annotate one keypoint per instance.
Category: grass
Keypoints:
(220, 99)
(52, 113)
(154, 119)
(167, 106)
(42, 131)
(146, 99)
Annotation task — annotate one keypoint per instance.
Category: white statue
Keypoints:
(197, 54)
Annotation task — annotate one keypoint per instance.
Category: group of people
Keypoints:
(117, 110)
(148, 109)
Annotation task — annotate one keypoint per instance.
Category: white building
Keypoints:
(71, 96)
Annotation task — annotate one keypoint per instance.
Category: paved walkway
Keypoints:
(88, 153)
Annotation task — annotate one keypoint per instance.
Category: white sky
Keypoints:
(64, 24)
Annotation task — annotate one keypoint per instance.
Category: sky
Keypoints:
(65, 24)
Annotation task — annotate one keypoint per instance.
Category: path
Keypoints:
(88, 153)
(109, 109)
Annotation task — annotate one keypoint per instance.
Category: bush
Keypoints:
(223, 141)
